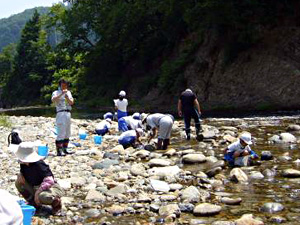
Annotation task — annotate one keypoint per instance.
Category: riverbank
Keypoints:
(187, 184)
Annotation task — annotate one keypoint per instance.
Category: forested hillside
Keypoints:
(234, 54)
(11, 27)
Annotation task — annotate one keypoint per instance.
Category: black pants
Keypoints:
(188, 116)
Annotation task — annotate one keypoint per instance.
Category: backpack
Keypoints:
(13, 138)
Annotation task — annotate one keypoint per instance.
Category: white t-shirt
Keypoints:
(133, 123)
(10, 210)
(236, 146)
(121, 104)
(102, 125)
(153, 119)
(62, 103)
(129, 133)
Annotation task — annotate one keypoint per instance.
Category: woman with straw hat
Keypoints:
(35, 181)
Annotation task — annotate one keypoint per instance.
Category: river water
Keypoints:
(254, 193)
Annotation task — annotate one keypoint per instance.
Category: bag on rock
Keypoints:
(13, 138)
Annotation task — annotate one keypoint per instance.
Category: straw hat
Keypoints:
(26, 153)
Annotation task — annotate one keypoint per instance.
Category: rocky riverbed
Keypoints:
(186, 184)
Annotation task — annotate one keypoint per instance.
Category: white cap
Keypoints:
(136, 116)
(108, 120)
(144, 116)
(122, 93)
(188, 90)
(140, 131)
(246, 137)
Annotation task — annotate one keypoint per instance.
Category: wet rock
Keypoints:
(170, 152)
(169, 209)
(291, 173)
(231, 201)
(214, 171)
(238, 175)
(194, 158)
(94, 195)
(168, 198)
(219, 163)
(159, 163)
(104, 164)
(266, 155)
(269, 173)
(186, 207)
(272, 207)
(277, 219)
(149, 147)
(256, 175)
(248, 219)
(92, 213)
(284, 158)
(198, 221)
(158, 185)
(275, 139)
(293, 127)
(211, 159)
(207, 209)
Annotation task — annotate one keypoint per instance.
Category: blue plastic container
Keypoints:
(98, 139)
(43, 150)
(28, 212)
(82, 136)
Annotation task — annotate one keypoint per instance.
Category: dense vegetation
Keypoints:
(11, 28)
(109, 44)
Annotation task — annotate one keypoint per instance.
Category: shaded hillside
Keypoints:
(11, 27)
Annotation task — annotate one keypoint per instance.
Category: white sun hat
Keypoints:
(136, 116)
(26, 153)
(122, 93)
(246, 137)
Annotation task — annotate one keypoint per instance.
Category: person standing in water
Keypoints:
(63, 100)
(189, 108)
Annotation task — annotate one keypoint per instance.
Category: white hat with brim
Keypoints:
(144, 116)
(26, 153)
(246, 137)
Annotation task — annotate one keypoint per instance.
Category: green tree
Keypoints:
(30, 71)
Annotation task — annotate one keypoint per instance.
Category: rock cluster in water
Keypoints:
(188, 183)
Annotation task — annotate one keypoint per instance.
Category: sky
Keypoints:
(10, 7)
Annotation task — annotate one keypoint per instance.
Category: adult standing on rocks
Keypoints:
(189, 107)
(63, 100)
(163, 123)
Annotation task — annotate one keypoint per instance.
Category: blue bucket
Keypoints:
(98, 139)
(28, 212)
(82, 136)
(43, 150)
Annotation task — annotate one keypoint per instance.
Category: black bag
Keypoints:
(13, 138)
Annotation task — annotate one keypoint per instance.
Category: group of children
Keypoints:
(36, 182)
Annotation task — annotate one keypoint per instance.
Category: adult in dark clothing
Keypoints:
(35, 181)
(188, 107)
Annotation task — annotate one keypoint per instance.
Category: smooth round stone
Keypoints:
(159, 162)
(266, 155)
(92, 213)
(238, 175)
(277, 219)
(186, 207)
(256, 175)
(207, 209)
(291, 173)
(231, 201)
(223, 223)
(167, 210)
(269, 173)
(197, 221)
(174, 187)
(194, 158)
(214, 171)
(272, 207)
